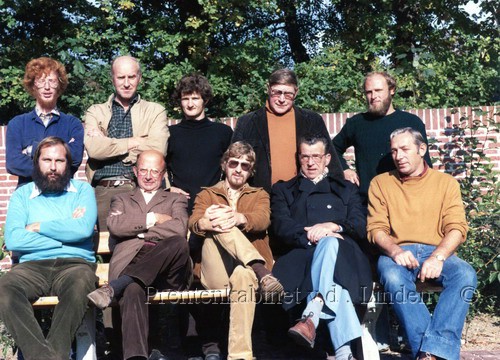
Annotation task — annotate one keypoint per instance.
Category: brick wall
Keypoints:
(437, 122)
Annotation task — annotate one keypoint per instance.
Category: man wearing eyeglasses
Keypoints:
(320, 222)
(117, 131)
(274, 129)
(233, 217)
(45, 79)
(149, 225)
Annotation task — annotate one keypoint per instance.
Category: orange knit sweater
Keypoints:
(418, 210)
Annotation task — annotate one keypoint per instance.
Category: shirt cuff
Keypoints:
(150, 220)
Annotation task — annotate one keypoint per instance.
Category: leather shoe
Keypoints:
(213, 356)
(304, 332)
(157, 355)
(102, 297)
(271, 289)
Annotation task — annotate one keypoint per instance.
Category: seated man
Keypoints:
(50, 224)
(149, 226)
(233, 218)
(416, 217)
(319, 219)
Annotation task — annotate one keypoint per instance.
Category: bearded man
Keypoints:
(369, 132)
(50, 225)
(45, 79)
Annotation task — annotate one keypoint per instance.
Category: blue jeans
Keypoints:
(439, 333)
(338, 311)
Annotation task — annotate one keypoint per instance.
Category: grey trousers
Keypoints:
(71, 279)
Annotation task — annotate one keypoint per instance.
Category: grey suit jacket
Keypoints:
(127, 219)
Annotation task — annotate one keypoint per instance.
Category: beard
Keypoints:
(54, 185)
(47, 104)
(380, 109)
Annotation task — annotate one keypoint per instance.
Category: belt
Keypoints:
(114, 183)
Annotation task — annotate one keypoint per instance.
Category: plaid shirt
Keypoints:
(120, 127)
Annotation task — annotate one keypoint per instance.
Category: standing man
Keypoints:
(45, 79)
(193, 161)
(320, 221)
(417, 219)
(369, 132)
(196, 144)
(50, 224)
(117, 131)
(149, 226)
(233, 217)
(274, 129)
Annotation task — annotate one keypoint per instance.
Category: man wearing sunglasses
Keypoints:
(45, 79)
(274, 129)
(149, 225)
(233, 218)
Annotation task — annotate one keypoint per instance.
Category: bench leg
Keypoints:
(85, 337)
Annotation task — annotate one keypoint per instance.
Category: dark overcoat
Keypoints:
(298, 203)
(253, 128)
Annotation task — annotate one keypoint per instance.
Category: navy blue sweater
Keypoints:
(28, 129)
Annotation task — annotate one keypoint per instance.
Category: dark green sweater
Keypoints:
(370, 137)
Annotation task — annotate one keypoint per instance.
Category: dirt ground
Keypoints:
(480, 334)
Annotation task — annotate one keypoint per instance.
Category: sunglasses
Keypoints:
(233, 164)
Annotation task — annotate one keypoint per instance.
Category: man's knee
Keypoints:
(243, 278)
(390, 273)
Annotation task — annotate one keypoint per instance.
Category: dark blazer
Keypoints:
(252, 128)
(298, 203)
(127, 219)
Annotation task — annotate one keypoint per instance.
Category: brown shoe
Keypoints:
(304, 332)
(102, 297)
(426, 356)
(271, 289)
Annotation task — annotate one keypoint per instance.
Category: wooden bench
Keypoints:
(85, 335)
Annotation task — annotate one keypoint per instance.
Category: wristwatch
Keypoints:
(440, 257)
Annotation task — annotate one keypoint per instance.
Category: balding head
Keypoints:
(150, 169)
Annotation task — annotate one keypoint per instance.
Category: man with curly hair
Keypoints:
(45, 79)
(197, 143)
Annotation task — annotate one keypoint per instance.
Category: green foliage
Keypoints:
(440, 56)
(464, 156)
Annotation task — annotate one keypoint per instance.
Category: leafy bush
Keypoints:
(465, 157)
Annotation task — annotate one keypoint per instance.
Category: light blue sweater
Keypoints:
(60, 235)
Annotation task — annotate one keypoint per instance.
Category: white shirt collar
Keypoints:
(36, 191)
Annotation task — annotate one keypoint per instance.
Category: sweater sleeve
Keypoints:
(16, 162)
(378, 212)
(70, 230)
(75, 142)
(453, 210)
(17, 238)
(341, 142)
